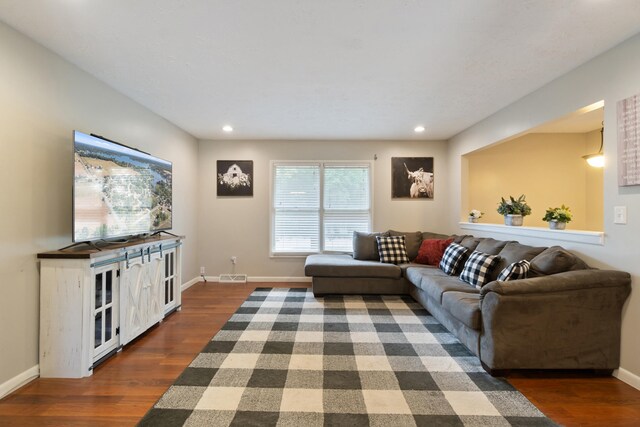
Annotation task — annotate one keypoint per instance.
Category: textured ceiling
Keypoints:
(330, 69)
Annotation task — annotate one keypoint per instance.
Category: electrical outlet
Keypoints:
(234, 259)
(202, 270)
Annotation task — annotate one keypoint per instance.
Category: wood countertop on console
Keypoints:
(86, 251)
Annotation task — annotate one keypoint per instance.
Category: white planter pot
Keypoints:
(472, 219)
(555, 225)
(513, 220)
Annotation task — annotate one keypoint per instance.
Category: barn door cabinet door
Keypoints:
(141, 295)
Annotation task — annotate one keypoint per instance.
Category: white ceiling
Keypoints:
(325, 69)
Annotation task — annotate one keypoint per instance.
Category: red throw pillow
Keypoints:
(431, 251)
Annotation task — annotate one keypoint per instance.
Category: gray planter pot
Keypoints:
(555, 225)
(513, 220)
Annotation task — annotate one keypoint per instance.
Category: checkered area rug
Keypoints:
(286, 358)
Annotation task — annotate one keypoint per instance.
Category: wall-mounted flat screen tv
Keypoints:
(118, 191)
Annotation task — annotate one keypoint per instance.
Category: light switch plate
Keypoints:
(619, 214)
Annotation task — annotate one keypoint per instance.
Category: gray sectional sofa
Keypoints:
(564, 315)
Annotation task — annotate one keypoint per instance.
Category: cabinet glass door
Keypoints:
(170, 280)
(105, 306)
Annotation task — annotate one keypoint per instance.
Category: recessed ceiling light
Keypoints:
(227, 128)
(418, 129)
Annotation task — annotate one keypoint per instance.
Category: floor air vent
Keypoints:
(233, 278)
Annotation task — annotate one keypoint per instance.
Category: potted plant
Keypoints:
(475, 215)
(514, 210)
(558, 217)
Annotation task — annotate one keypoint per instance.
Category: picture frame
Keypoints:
(234, 178)
(412, 178)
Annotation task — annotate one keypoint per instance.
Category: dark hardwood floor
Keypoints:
(123, 388)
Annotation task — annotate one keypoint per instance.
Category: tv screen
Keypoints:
(118, 191)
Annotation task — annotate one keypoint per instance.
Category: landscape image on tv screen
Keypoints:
(118, 191)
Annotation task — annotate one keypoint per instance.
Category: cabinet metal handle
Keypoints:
(149, 253)
(126, 258)
(142, 254)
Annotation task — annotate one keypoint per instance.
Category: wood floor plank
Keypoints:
(123, 388)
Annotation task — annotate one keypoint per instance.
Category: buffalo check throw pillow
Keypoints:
(392, 249)
(515, 271)
(476, 269)
(452, 258)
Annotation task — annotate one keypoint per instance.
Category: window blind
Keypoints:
(318, 206)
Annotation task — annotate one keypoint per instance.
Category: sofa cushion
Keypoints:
(491, 246)
(514, 252)
(555, 260)
(431, 251)
(405, 267)
(341, 265)
(453, 259)
(392, 249)
(514, 271)
(477, 268)
(412, 240)
(365, 246)
(464, 306)
(430, 235)
(435, 286)
(471, 242)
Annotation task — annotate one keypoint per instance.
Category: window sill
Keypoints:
(574, 236)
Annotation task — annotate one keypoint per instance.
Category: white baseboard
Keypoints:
(628, 377)
(272, 279)
(19, 380)
(190, 283)
(262, 279)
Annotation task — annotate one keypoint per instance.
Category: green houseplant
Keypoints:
(558, 217)
(514, 209)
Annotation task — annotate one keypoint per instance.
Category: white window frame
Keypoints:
(321, 164)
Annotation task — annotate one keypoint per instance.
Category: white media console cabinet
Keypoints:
(93, 302)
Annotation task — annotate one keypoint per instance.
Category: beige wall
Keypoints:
(548, 168)
(611, 77)
(240, 226)
(43, 99)
(595, 186)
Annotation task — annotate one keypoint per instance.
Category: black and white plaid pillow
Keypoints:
(515, 271)
(452, 258)
(476, 269)
(392, 249)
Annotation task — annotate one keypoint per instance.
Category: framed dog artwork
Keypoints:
(412, 177)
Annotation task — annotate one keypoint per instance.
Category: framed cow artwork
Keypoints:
(235, 178)
(412, 178)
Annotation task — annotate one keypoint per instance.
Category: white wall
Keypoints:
(43, 99)
(612, 76)
(240, 226)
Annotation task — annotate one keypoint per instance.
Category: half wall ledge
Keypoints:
(575, 236)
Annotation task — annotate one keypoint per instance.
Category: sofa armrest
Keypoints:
(568, 320)
(567, 281)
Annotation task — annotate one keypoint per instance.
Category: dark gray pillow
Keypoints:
(365, 245)
(514, 252)
(471, 242)
(429, 235)
(412, 240)
(491, 246)
(555, 260)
